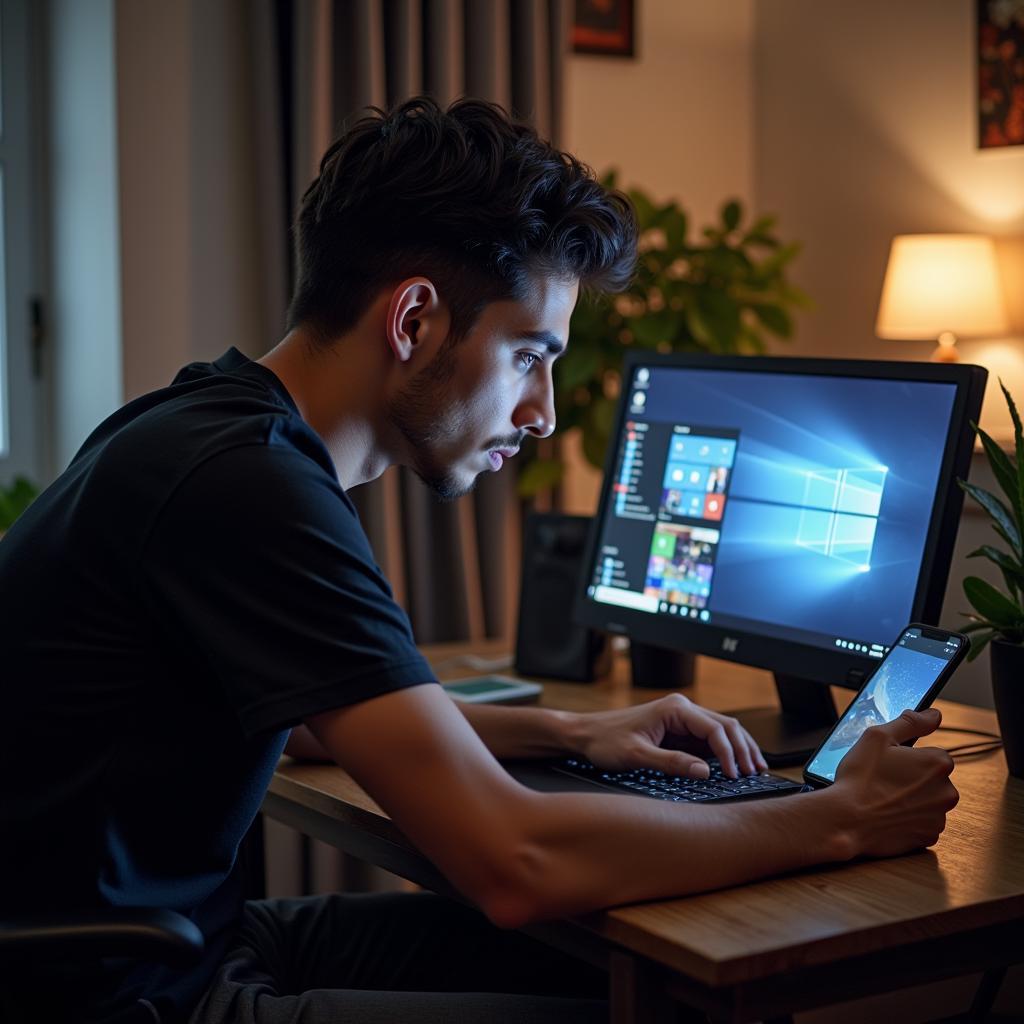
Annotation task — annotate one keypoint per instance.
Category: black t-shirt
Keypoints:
(194, 584)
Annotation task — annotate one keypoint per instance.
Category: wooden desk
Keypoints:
(767, 948)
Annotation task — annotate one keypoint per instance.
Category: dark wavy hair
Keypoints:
(464, 196)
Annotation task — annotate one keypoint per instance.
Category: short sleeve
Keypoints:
(257, 565)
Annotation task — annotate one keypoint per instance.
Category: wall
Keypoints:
(864, 129)
(677, 120)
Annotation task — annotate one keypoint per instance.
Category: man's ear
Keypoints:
(413, 316)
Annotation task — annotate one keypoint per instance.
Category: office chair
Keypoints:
(141, 933)
(137, 933)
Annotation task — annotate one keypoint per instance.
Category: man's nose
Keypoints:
(536, 413)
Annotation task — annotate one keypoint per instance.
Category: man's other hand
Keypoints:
(668, 734)
(898, 796)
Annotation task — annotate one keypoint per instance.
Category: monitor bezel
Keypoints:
(785, 656)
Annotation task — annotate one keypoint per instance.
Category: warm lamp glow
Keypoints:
(941, 287)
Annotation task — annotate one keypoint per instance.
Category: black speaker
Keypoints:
(548, 642)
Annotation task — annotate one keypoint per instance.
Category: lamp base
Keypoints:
(946, 351)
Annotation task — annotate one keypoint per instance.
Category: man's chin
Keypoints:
(448, 487)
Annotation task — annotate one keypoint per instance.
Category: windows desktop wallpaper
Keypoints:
(830, 492)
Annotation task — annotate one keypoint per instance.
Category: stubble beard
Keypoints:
(427, 416)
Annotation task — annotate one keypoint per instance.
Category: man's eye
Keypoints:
(527, 360)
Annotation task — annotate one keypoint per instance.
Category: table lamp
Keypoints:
(943, 287)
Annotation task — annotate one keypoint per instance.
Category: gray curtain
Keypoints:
(317, 64)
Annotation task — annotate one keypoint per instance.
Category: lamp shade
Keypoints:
(939, 284)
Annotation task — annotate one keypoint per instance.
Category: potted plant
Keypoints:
(722, 293)
(998, 618)
(14, 499)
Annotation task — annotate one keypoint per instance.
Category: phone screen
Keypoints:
(900, 682)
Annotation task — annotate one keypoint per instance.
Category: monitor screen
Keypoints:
(794, 501)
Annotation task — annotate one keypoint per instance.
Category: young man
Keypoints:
(196, 585)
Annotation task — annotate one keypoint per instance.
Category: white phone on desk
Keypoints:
(492, 690)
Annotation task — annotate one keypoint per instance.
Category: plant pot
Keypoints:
(1007, 666)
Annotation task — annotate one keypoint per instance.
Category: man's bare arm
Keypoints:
(524, 856)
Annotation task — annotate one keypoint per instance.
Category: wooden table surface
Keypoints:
(970, 884)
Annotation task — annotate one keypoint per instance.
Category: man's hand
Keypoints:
(898, 797)
(668, 734)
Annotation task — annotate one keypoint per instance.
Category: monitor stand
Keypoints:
(790, 736)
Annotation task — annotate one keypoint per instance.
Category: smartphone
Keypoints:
(910, 676)
(492, 690)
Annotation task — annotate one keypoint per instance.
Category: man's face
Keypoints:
(470, 408)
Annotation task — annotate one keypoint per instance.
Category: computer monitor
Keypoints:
(793, 514)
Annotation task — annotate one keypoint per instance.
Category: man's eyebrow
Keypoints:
(555, 345)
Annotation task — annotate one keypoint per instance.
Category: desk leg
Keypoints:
(637, 994)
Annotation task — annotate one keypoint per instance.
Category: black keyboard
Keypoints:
(648, 782)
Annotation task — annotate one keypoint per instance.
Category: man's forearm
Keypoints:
(589, 850)
(511, 732)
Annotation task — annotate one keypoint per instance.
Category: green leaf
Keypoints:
(731, 214)
(540, 475)
(699, 328)
(775, 318)
(580, 363)
(646, 215)
(795, 296)
(995, 607)
(674, 225)
(763, 225)
(1004, 472)
(14, 499)
(1001, 558)
(652, 330)
(979, 643)
(597, 428)
(1018, 443)
(721, 316)
(1011, 569)
(778, 259)
(1003, 521)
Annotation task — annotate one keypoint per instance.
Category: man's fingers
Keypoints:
(911, 725)
(675, 762)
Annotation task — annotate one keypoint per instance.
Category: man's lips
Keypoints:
(498, 455)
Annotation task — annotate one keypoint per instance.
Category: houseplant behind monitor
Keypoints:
(998, 619)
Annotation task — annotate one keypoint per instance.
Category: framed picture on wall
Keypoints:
(603, 27)
(1000, 73)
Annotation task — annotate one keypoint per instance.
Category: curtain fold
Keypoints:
(454, 567)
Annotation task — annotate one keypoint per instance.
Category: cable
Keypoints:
(989, 742)
(973, 749)
(970, 732)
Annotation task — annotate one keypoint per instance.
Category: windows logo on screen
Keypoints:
(839, 515)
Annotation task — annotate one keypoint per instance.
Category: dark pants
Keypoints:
(392, 958)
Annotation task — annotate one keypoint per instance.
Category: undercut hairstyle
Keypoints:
(465, 197)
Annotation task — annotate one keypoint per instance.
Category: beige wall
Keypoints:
(677, 119)
(865, 128)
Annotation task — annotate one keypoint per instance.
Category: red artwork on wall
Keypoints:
(603, 27)
(1000, 73)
